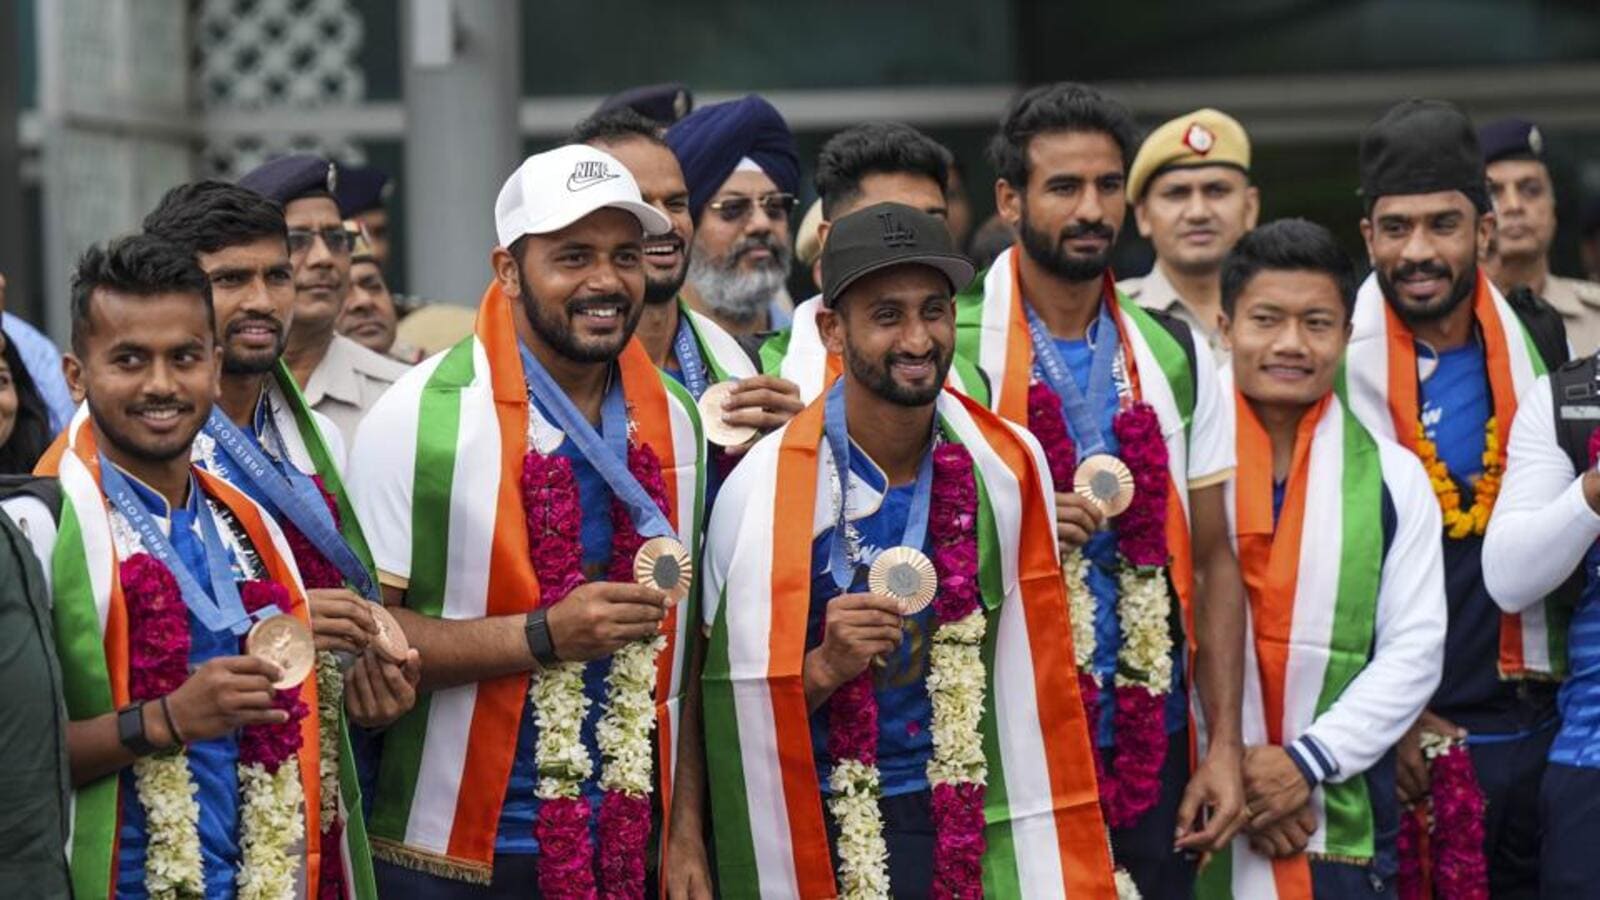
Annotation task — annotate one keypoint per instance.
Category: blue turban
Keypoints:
(710, 141)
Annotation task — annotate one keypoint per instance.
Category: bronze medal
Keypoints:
(905, 574)
(717, 431)
(390, 641)
(663, 563)
(286, 642)
(1106, 482)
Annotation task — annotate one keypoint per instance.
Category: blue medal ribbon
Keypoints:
(608, 455)
(690, 365)
(1082, 413)
(293, 493)
(222, 609)
(916, 528)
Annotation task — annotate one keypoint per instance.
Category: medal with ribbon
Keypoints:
(903, 572)
(269, 634)
(662, 562)
(1101, 478)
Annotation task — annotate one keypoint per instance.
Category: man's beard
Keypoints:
(734, 294)
(665, 290)
(130, 448)
(875, 377)
(555, 327)
(233, 364)
(1047, 250)
(1461, 288)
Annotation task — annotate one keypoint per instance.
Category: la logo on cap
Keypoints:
(895, 232)
(1199, 138)
(589, 173)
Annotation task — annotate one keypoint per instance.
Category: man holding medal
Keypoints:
(1127, 406)
(852, 660)
(1337, 533)
(1438, 360)
(180, 617)
(532, 499)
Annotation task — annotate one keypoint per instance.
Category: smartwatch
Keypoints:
(130, 730)
(537, 631)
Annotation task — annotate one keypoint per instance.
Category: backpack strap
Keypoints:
(1575, 402)
(1544, 326)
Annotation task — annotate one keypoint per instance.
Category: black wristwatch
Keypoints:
(537, 631)
(130, 730)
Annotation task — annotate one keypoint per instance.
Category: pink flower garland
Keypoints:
(1460, 871)
(271, 745)
(1132, 786)
(554, 515)
(958, 819)
(158, 628)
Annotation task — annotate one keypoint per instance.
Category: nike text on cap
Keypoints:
(551, 190)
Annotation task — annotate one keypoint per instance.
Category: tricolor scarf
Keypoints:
(1044, 835)
(993, 330)
(1379, 382)
(1312, 583)
(723, 356)
(798, 355)
(91, 624)
(306, 450)
(446, 762)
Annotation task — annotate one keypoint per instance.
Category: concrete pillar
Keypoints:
(463, 84)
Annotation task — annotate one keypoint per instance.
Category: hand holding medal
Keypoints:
(285, 642)
(733, 413)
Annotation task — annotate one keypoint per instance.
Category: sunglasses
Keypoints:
(733, 209)
(339, 240)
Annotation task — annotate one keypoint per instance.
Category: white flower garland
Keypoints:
(1143, 607)
(1080, 610)
(956, 685)
(270, 824)
(863, 853)
(560, 706)
(173, 869)
(623, 733)
(330, 703)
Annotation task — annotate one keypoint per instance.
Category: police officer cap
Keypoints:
(289, 178)
(664, 103)
(361, 189)
(1205, 137)
(1511, 139)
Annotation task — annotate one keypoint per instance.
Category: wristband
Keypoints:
(540, 644)
(172, 724)
(130, 729)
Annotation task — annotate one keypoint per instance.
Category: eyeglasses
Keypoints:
(734, 209)
(338, 239)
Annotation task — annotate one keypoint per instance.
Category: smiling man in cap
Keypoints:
(341, 379)
(1437, 361)
(843, 554)
(508, 483)
(1192, 199)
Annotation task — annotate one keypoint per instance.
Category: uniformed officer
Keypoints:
(1192, 198)
(1525, 210)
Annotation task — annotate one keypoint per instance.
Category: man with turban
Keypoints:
(742, 170)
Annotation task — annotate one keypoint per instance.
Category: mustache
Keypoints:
(1088, 229)
(160, 404)
(254, 318)
(1426, 269)
(756, 242)
(599, 301)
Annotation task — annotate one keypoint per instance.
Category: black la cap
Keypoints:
(1419, 147)
(883, 235)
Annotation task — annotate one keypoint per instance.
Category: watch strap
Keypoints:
(537, 631)
(130, 729)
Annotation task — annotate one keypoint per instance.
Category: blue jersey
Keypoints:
(905, 714)
(521, 808)
(213, 764)
(1578, 742)
(1101, 552)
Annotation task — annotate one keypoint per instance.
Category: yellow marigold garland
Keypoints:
(1460, 523)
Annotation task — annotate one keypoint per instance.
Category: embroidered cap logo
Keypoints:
(589, 173)
(1199, 139)
(895, 232)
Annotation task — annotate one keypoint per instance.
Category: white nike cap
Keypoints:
(551, 190)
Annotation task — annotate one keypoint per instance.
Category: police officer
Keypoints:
(1192, 198)
(1525, 210)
